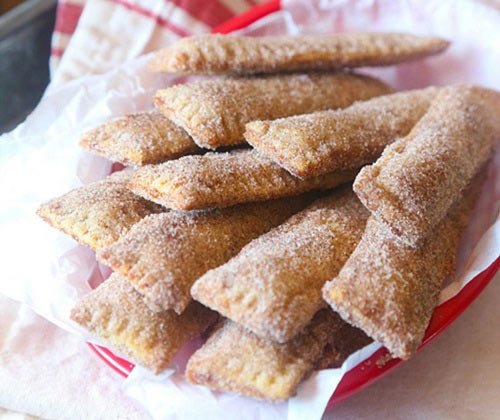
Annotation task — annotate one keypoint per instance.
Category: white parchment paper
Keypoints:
(41, 159)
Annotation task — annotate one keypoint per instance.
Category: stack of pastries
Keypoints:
(287, 208)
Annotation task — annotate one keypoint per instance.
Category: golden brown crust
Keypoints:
(326, 141)
(164, 254)
(139, 139)
(389, 289)
(116, 314)
(97, 214)
(222, 54)
(224, 179)
(236, 360)
(214, 112)
(273, 286)
(416, 180)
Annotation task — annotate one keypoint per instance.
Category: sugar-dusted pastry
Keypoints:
(413, 184)
(214, 112)
(273, 286)
(139, 139)
(225, 179)
(116, 314)
(390, 289)
(164, 254)
(236, 360)
(326, 141)
(97, 214)
(221, 54)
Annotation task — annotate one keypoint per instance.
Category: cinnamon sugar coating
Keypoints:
(225, 179)
(214, 112)
(413, 184)
(97, 214)
(326, 141)
(164, 254)
(116, 314)
(221, 54)
(139, 139)
(273, 286)
(390, 289)
(236, 360)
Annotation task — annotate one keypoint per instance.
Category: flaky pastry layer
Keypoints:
(139, 139)
(164, 254)
(222, 54)
(236, 360)
(390, 289)
(214, 112)
(326, 141)
(116, 314)
(97, 214)
(273, 286)
(412, 185)
(225, 179)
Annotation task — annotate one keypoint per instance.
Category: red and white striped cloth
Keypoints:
(92, 36)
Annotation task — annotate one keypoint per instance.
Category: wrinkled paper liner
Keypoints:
(41, 159)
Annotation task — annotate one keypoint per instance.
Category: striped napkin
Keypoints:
(93, 36)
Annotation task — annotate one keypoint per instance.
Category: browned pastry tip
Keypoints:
(236, 360)
(225, 179)
(97, 214)
(214, 112)
(222, 54)
(164, 254)
(411, 187)
(139, 139)
(326, 141)
(273, 286)
(389, 289)
(116, 314)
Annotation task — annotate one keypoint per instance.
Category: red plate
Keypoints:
(366, 372)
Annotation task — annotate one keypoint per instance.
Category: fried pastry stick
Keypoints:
(236, 360)
(115, 313)
(389, 289)
(221, 54)
(326, 141)
(164, 254)
(139, 139)
(411, 187)
(97, 214)
(273, 286)
(225, 179)
(214, 112)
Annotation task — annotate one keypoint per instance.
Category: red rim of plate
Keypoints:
(249, 17)
(368, 371)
